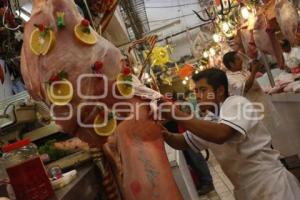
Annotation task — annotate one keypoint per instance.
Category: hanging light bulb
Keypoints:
(212, 51)
(225, 27)
(205, 54)
(146, 76)
(184, 82)
(245, 12)
(216, 38)
(201, 67)
(135, 69)
(196, 72)
(186, 78)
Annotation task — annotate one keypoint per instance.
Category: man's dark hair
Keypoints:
(214, 77)
(229, 58)
(285, 44)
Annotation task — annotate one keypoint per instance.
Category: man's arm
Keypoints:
(209, 131)
(250, 81)
(176, 141)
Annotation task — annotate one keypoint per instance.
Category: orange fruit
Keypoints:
(60, 93)
(124, 89)
(40, 45)
(87, 38)
(106, 130)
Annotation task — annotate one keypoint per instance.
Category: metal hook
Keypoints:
(210, 17)
(222, 12)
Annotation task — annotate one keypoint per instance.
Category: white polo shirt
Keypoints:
(237, 81)
(247, 159)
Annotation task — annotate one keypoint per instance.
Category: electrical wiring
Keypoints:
(9, 8)
(168, 19)
(173, 6)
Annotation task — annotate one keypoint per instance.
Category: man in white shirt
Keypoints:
(233, 132)
(240, 80)
(291, 54)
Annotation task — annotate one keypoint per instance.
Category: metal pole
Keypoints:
(268, 69)
(89, 14)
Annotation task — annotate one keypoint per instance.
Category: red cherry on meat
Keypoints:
(54, 78)
(98, 66)
(126, 71)
(41, 27)
(102, 114)
(85, 23)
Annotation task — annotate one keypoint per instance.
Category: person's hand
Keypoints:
(166, 134)
(255, 66)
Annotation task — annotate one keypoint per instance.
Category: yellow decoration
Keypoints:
(177, 67)
(86, 38)
(106, 130)
(40, 44)
(124, 89)
(167, 80)
(60, 93)
(160, 55)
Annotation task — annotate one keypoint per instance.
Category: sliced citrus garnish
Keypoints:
(60, 93)
(124, 88)
(106, 130)
(87, 38)
(40, 43)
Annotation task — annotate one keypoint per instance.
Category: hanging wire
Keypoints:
(174, 6)
(3, 22)
(168, 19)
(9, 7)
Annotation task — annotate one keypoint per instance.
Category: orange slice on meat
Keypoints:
(106, 130)
(124, 89)
(60, 93)
(39, 44)
(86, 38)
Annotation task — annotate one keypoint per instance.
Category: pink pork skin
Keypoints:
(137, 147)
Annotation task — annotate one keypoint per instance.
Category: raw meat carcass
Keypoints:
(203, 41)
(266, 40)
(142, 166)
(143, 163)
(261, 37)
(287, 18)
(71, 145)
(248, 43)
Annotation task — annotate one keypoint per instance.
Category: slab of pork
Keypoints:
(146, 173)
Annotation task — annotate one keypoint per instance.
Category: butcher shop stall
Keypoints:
(85, 86)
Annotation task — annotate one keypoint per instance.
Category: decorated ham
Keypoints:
(82, 77)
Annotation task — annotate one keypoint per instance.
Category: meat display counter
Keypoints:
(285, 137)
(288, 106)
(85, 186)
